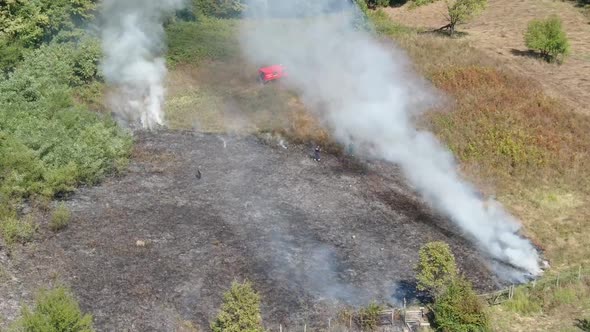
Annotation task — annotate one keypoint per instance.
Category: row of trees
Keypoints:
(454, 303)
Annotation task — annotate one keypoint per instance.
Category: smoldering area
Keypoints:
(311, 236)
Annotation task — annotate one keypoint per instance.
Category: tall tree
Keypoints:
(436, 267)
(461, 11)
(240, 311)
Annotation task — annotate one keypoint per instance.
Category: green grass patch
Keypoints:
(384, 26)
(60, 218)
(48, 142)
(55, 310)
(16, 230)
(205, 39)
(523, 303)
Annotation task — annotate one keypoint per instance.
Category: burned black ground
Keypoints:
(308, 235)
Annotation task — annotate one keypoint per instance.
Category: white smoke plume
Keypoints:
(133, 43)
(367, 94)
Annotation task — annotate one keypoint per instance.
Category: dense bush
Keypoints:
(436, 267)
(60, 218)
(50, 144)
(368, 318)
(220, 8)
(15, 230)
(55, 311)
(548, 37)
(31, 22)
(240, 311)
(458, 309)
(26, 24)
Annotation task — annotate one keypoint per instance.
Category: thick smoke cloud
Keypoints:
(133, 42)
(366, 93)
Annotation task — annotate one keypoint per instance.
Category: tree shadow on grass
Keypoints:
(583, 324)
(527, 54)
(397, 3)
(446, 33)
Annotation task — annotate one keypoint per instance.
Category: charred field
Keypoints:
(312, 237)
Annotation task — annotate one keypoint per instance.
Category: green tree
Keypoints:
(368, 319)
(436, 267)
(548, 37)
(458, 309)
(55, 310)
(240, 311)
(31, 22)
(461, 11)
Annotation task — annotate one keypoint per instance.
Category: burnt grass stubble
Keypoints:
(310, 236)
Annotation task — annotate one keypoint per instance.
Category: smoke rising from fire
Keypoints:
(367, 94)
(133, 42)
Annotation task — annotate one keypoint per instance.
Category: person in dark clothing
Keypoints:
(316, 153)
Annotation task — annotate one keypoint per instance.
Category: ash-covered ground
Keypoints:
(308, 235)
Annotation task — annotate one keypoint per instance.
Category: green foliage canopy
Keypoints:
(55, 311)
(240, 311)
(461, 11)
(548, 37)
(436, 267)
(49, 143)
(458, 309)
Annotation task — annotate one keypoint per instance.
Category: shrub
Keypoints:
(458, 309)
(461, 11)
(369, 317)
(548, 37)
(240, 311)
(220, 8)
(436, 267)
(16, 230)
(384, 25)
(48, 143)
(60, 218)
(55, 310)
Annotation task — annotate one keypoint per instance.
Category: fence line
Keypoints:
(398, 318)
(561, 279)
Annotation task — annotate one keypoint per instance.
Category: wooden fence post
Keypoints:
(305, 328)
(280, 328)
(580, 273)
(557, 281)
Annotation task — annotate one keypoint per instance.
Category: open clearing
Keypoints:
(305, 233)
(499, 33)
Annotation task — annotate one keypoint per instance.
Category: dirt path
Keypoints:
(307, 234)
(499, 33)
